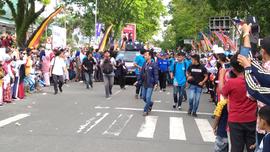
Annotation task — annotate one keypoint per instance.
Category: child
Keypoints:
(220, 125)
(264, 124)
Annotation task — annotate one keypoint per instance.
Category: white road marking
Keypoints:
(99, 107)
(205, 130)
(177, 131)
(157, 101)
(148, 127)
(96, 122)
(13, 119)
(87, 123)
(162, 111)
(117, 92)
(118, 125)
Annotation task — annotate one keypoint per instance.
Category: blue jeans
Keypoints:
(147, 98)
(194, 97)
(178, 91)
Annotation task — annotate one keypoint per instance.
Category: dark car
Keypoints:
(128, 57)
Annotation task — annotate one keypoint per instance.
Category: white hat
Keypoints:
(215, 47)
(219, 50)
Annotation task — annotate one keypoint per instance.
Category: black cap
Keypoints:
(265, 43)
(181, 54)
(196, 57)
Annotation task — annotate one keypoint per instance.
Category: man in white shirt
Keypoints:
(57, 70)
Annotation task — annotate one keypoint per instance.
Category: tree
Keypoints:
(144, 13)
(243, 8)
(24, 14)
(189, 18)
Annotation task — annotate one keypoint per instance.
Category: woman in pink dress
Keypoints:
(46, 67)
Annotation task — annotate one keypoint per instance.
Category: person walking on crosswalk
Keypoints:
(196, 77)
(178, 74)
(148, 80)
(57, 70)
(108, 66)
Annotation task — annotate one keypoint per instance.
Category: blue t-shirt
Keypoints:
(163, 65)
(139, 60)
(188, 62)
(171, 62)
(180, 73)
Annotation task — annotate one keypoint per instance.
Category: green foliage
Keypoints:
(46, 2)
(144, 13)
(189, 18)
(2, 11)
(24, 14)
(243, 8)
(169, 37)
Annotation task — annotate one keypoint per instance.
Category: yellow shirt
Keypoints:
(2, 74)
(28, 66)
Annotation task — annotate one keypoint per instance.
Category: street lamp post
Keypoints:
(96, 23)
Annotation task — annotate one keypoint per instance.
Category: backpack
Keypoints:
(107, 67)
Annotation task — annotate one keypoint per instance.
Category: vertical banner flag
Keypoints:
(220, 37)
(207, 42)
(105, 38)
(98, 30)
(59, 37)
(35, 38)
(233, 46)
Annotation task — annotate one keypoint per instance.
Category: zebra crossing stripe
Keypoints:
(118, 125)
(148, 127)
(89, 121)
(13, 119)
(205, 130)
(177, 131)
(96, 122)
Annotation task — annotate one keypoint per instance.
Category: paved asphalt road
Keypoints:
(80, 120)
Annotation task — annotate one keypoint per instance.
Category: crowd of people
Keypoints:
(238, 85)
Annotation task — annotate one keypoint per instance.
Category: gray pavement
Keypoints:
(81, 120)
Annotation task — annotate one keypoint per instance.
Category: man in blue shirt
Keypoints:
(148, 79)
(178, 74)
(163, 66)
(138, 63)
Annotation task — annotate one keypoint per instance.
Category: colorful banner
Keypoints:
(98, 30)
(207, 42)
(220, 37)
(230, 42)
(35, 38)
(130, 32)
(105, 38)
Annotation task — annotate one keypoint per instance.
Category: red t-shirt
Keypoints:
(241, 108)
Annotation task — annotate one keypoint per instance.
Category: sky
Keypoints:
(162, 19)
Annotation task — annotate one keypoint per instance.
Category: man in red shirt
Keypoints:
(242, 110)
